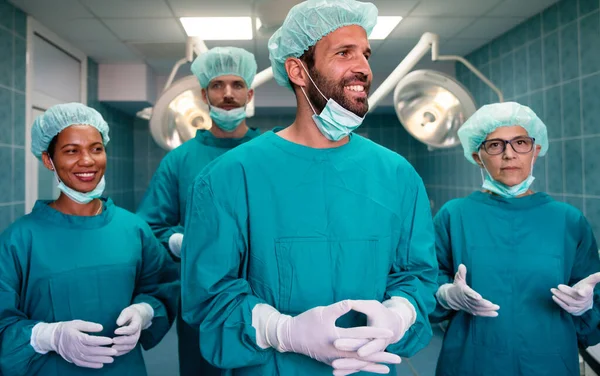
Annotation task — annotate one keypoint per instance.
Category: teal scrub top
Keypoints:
(57, 267)
(515, 251)
(163, 205)
(295, 227)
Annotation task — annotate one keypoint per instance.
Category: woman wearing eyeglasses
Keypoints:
(517, 269)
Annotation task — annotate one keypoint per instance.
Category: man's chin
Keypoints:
(359, 109)
(359, 106)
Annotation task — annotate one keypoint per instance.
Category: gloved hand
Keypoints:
(348, 366)
(459, 296)
(313, 333)
(137, 317)
(396, 314)
(577, 299)
(67, 339)
(175, 242)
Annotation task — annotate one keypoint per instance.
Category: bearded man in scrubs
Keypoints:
(297, 229)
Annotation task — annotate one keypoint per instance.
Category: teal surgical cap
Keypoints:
(223, 61)
(59, 117)
(492, 116)
(308, 22)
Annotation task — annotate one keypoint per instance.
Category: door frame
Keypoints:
(35, 100)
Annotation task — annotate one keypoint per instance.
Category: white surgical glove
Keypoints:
(175, 242)
(313, 333)
(459, 296)
(396, 314)
(348, 366)
(68, 339)
(577, 299)
(137, 317)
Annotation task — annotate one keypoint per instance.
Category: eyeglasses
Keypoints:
(521, 145)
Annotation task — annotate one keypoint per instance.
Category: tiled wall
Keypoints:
(551, 62)
(120, 150)
(386, 130)
(147, 157)
(13, 32)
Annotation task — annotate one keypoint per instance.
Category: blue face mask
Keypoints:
(335, 122)
(504, 190)
(80, 197)
(227, 121)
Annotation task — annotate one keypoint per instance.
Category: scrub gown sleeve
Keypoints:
(160, 205)
(17, 356)
(586, 263)
(215, 296)
(414, 272)
(158, 286)
(443, 248)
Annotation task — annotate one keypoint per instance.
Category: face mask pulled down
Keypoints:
(504, 190)
(79, 197)
(227, 120)
(335, 122)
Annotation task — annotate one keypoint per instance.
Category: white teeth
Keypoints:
(86, 175)
(358, 88)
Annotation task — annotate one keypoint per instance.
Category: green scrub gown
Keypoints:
(295, 227)
(163, 207)
(515, 251)
(56, 267)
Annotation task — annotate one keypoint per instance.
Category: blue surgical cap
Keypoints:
(223, 61)
(492, 116)
(308, 22)
(59, 117)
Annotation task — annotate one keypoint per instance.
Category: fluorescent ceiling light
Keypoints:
(385, 25)
(218, 28)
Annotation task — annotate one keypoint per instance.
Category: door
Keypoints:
(47, 188)
(56, 73)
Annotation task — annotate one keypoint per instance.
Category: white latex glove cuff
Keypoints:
(175, 242)
(403, 308)
(147, 313)
(42, 336)
(266, 321)
(442, 293)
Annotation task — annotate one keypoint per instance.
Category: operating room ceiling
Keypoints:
(149, 31)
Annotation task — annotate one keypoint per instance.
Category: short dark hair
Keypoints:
(52, 147)
(308, 57)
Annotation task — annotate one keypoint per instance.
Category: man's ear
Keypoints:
(204, 96)
(295, 71)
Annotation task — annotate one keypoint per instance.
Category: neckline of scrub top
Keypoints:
(42, 210)
(306, 152)
(520, 203)
(208, 139)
